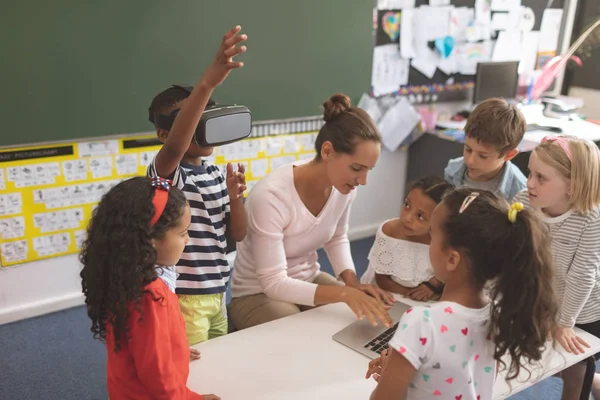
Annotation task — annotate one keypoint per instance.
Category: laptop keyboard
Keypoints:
(380, 343)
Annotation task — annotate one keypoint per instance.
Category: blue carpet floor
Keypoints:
(55, 357)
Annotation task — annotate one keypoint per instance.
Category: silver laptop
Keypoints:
(367, 339)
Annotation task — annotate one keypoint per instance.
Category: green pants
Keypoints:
(205, 316)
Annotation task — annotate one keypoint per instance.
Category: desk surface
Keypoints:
(296, 358)
(533, 115)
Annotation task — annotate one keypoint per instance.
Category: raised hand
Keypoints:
(223, 62)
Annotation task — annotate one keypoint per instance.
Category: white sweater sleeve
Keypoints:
(267, 218)
(582, 275)
(338, 248)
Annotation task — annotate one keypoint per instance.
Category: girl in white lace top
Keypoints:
(399, 258)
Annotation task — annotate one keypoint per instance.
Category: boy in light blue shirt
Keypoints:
(492, 134)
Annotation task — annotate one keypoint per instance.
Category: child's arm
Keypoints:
(581, 279)
(237, 221)
(184, 126)
(387, 283)
(425, 291)
(397, 374)
(409, 348)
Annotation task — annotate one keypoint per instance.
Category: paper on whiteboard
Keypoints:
(277, 162)
(14, 251)
(426, 62)
(370, 105)
(526, 19)
(469, 54)
(395, 4)
(101, 148)
(482, 28)
(101, 167)
(12, 228)
(291, 144)
(407, 37)
(549, 29)
(398, 123)
(505, 5)
(432, 23)
(273, 146)
(390, 71)
(11, 203)
(530, 45)
(506, 21)
(127, 164)
(461, 20)
(483, 12)
(448, 65)
(258, 167)
(508, 46)
(146, 157)
(308, 141)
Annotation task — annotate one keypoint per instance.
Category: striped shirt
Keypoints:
(203, 267)
(576, 254)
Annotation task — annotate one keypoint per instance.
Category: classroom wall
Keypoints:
(41, 287)
(591, 107)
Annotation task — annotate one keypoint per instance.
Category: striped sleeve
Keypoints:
(178, 176)
(226, 199)
(582, 275)
(521, 197)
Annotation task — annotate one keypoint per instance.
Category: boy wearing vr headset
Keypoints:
(216, 202)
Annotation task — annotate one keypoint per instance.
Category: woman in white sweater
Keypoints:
(298, 209)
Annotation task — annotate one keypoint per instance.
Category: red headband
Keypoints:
(161, 195)
(562, 141)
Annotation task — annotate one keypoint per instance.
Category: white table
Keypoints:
(296, 358)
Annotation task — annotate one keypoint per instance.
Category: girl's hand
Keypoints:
(570, 341)
(210, 397)
(376, 366)
(421, 293)
(380, 294)
(194, 354)
(364, 305)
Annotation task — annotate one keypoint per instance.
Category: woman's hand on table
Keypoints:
(364, 305)
(383, 296)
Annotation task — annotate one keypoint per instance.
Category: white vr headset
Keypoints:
(219, 124)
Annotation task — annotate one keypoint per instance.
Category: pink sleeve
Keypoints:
(267, 218)
(338, 248)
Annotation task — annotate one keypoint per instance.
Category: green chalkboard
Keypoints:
(75, 69)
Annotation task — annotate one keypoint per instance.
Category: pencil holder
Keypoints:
(429, 118)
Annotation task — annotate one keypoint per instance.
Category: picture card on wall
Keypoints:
(390, 70)
(388, 27)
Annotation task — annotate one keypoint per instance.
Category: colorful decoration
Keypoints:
(391, 24)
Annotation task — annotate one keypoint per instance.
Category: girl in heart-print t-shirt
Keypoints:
(448, 346)
(450, 350)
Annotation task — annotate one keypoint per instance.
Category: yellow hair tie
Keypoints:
(515, 208)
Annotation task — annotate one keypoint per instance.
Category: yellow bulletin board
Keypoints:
(48, 192)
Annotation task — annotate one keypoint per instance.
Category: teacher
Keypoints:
(299, 208)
